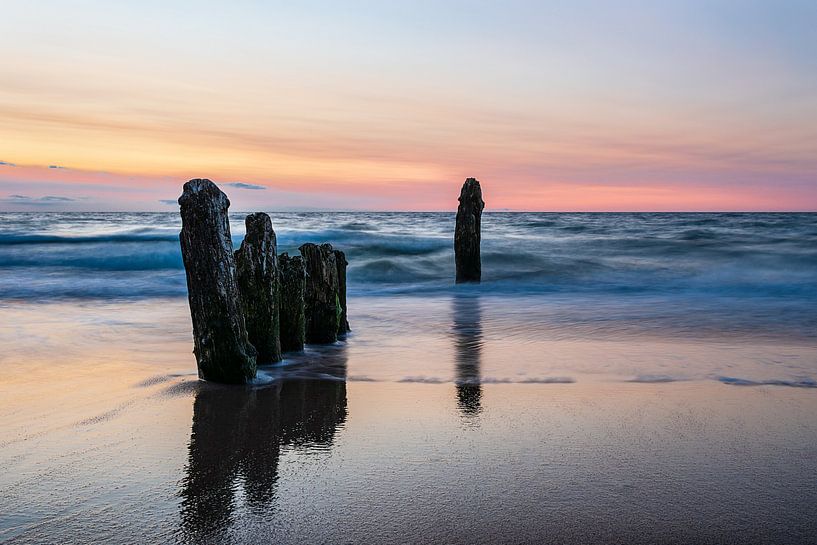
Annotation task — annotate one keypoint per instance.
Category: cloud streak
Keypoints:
(242, 185)
(47, 200)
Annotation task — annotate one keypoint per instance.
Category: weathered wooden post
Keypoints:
(340, 260)
(223, 352)
(467, 234)
(256, 265)
(292, 284)
(321, 299)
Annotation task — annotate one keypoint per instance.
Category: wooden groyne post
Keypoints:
(223, 351)
(256, 263)
(340, 261)
(293, 282)
(467, 233)
(321, 299)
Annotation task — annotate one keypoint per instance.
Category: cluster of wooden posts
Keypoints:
(251, 305)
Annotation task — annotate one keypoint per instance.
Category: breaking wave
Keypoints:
(621, 255)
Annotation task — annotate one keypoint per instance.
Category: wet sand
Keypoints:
(443, 434)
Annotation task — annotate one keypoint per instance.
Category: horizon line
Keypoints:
(452, 211)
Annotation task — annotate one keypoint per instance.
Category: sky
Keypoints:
(656, 105)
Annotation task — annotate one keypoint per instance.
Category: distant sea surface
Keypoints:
(747, 272)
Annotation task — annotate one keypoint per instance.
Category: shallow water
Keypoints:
(642, 388)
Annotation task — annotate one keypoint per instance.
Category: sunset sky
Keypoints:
(581, 105)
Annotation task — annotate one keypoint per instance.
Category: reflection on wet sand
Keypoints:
(235, 442)
(467, 333)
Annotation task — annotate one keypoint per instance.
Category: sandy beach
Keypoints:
(438, 435)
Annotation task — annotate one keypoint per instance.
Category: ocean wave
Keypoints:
(104, 258)
(395, 271)
(141, 236)
(539, 223)
(70, 283)
(548, 380)
(423, 380)
(699, 234)
(656, 379)
(677, 256)
(367, 244)
(801, 383)
(358, 226)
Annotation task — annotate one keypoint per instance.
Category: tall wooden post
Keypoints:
(467, 234)
(223, 352)
(256, 263)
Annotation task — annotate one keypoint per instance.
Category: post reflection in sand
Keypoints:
(236, 439)
(467, 334)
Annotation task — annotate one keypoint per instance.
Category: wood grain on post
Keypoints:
(321, 299)
(256, 263)
(467, 235)
(340, 261)
(292, 277)
(223, 351)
